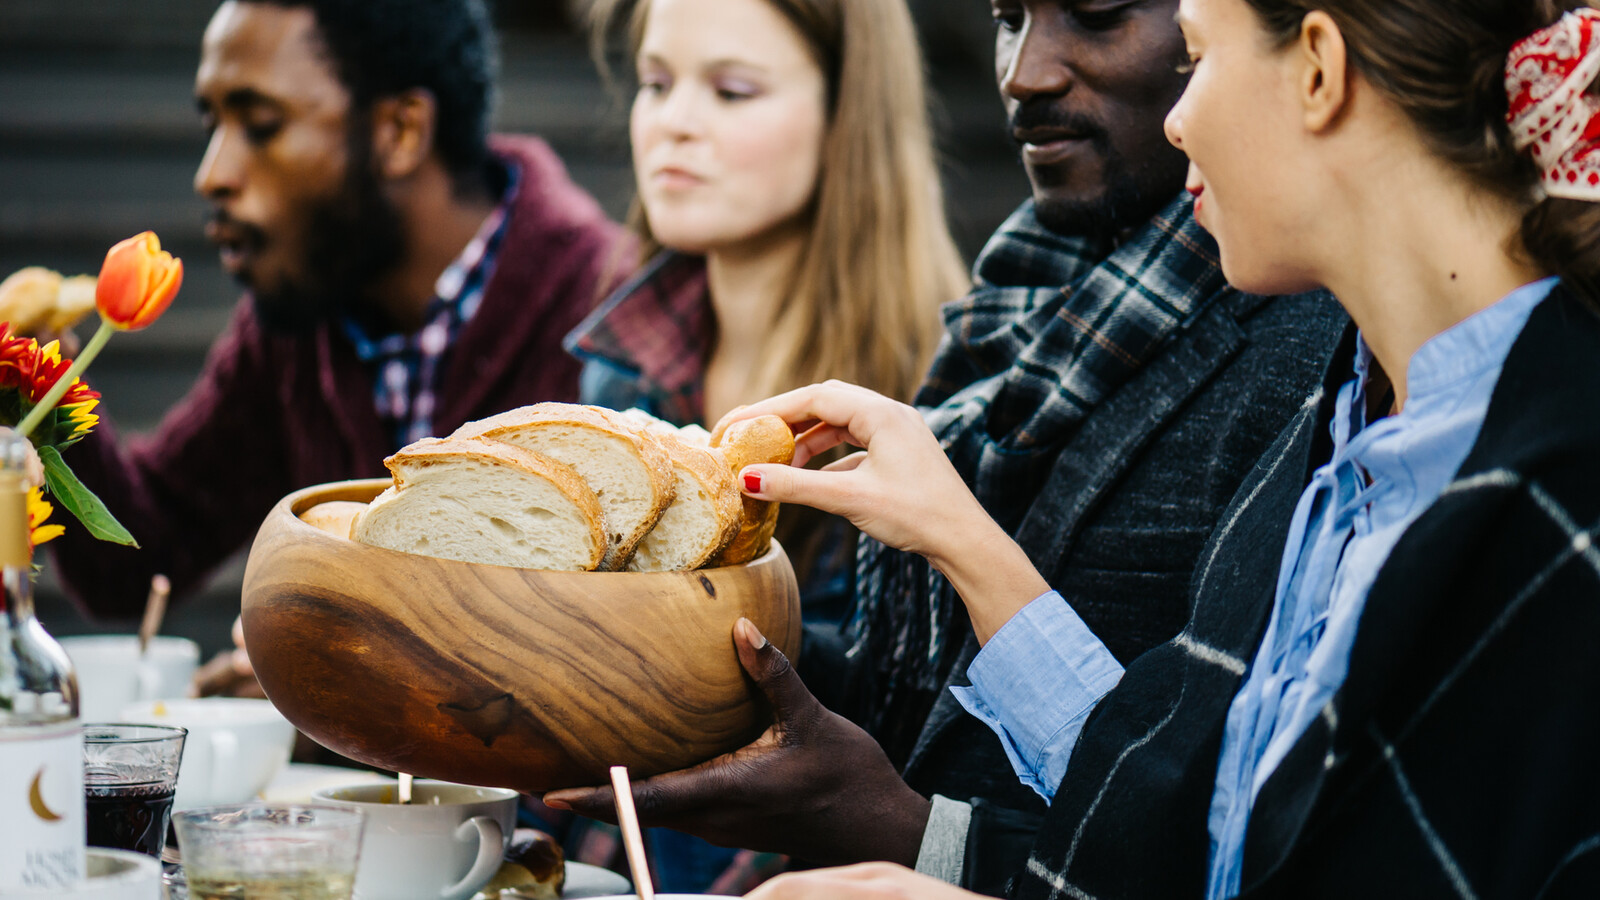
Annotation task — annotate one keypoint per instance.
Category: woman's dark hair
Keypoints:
(1443, 63)
(447, 47)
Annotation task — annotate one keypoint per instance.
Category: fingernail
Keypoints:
(556, 804)
(760, 639)
(752, 482)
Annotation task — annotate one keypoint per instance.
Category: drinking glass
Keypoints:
(264, 852)
(130, 773)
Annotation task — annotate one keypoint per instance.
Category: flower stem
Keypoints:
(42, 409)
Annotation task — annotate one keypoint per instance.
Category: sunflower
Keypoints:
(29, 371)
(40, 509)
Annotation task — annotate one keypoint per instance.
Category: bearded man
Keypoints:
(404, 273)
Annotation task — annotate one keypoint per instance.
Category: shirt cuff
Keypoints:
(1035, 683)
(944, 842)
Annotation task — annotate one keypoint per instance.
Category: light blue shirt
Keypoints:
(1380, 479)
(1382, 476)
(1035, 683)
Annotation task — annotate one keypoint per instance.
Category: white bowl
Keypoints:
(235, 746)
(112, 675)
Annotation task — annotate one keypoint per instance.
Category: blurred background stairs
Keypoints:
(99, 141)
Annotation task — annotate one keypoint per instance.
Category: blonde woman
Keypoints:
(793, 224)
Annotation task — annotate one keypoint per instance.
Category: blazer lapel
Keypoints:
(946, 709)
(1110, 442)
(1107, 445)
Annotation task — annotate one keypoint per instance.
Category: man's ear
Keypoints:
(1325, 73)
(402, 132)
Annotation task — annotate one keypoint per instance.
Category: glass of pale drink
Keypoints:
(264, 852)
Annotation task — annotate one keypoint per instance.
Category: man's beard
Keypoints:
(351, 240)
(1127, 196)
(1122, 204)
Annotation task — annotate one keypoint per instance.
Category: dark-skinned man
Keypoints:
(404, 273)
(1104, 393)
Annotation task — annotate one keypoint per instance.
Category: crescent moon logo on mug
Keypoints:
(36, 799)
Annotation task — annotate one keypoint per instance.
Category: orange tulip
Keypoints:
(137, 282)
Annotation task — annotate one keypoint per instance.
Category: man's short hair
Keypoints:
(384, 47)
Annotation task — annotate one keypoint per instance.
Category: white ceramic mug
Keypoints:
(112, 675)
(234, 747)
(117, 875)
(444, 845)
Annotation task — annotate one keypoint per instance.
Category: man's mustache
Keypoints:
(1041, 114)
(222, 228)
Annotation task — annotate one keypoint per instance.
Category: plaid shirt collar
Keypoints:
(658, 326)
(407, 368)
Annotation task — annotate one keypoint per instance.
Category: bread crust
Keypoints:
(764, 439)
(430, 451)
(509, 425)
(336, 517)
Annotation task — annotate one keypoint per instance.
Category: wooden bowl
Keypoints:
(503, 677)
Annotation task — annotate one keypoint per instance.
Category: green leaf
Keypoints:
(80, 501)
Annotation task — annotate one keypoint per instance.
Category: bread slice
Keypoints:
(27, 298)
(704, 515)
(629, 471)
(336, 517)
(37, 299)
(74, 301)
(764, 439)
(485, 502)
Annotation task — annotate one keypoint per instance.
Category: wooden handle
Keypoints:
(155, 608)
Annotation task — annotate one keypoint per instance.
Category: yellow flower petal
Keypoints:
(46, 534)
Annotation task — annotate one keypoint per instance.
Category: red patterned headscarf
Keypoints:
(1552, 111)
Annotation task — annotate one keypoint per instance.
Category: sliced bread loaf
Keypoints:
(629, 471)
(486, 502)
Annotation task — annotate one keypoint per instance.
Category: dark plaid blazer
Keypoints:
(1462, 756)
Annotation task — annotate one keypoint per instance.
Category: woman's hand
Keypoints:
(869, 881)
(901, 490)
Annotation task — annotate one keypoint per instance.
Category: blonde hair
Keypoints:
(878, 259)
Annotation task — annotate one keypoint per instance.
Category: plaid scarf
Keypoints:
(1054, 326)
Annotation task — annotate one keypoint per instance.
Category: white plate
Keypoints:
(584, 880)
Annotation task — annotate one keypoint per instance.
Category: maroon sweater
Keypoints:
(273, 413)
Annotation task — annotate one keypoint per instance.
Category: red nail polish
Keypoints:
(752, 482)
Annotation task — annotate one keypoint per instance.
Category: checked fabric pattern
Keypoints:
(1054, 325)
(1458, 759)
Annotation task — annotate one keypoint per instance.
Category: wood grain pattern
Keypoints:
(504, 677)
